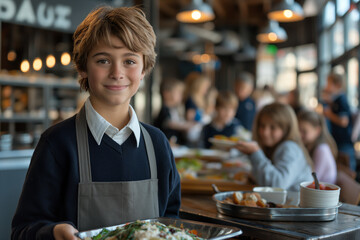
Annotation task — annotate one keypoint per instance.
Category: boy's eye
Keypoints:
(103, 61)
(129, 62)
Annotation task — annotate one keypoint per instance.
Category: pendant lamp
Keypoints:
(272, 33)
(287, 11)
(196, 12)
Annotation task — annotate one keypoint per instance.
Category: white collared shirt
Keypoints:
(99, 126)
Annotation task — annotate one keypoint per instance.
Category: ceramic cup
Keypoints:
(316, 198)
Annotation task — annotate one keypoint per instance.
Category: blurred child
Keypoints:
(319, 143)
(170, 120)
(197, 89)
(277, 155)
(224, 122)
(337, 111)
(244, 86)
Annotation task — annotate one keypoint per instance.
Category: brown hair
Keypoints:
(336, 79)
(317, 120)
(226, 99)
(244, 77)
(284, 117)
(170, 84)
(129, 24)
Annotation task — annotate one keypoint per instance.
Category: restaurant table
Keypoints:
(346, 225)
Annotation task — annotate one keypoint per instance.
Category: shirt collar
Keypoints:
(98, 125)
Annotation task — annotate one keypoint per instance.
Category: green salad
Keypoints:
(145, 230)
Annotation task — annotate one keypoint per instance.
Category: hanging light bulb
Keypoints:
(287, 11)
(196, 12)
(272, 33)
(50, 61)
(65, 59)
(37, 64)
(25, 66)
(11, 56)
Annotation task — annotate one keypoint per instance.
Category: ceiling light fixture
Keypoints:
(196, 12)
(272, 33)
(287, 11)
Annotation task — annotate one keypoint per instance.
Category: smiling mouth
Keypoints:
(116, 87)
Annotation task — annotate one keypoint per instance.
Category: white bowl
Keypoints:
(316, 198)
(272, 194)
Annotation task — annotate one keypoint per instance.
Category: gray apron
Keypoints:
(102, 204)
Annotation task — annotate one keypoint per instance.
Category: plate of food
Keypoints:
(221, 141)
(161, 228)
(251, 205)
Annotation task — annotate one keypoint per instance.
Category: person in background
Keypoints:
(170, 119)
(321, 146)
(197, 88)
(101, 167)
(224, 122)
(292, 98)
(338, 113)
(243, 87)
(277, 155)
(196, 91)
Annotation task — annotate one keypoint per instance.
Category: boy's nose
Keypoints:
(116, 72)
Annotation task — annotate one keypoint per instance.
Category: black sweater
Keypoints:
(49, 193)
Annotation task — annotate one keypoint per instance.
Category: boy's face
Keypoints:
(243, 90)
(114, 73)
(226, 114)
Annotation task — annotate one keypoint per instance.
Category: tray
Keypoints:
(273, 214)
(205, 230)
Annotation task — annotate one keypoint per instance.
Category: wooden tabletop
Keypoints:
(345, 226)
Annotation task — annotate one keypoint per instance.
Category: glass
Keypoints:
(285, 58)
(338, 38)
(329, 16)
(307, 88)
(306, 57)
(353, 82)
(325, 50)
(342, 6)
(323, 73)
(285, 81)
(352, 31)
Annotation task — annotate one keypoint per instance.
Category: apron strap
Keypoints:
(83, 147)
(150, 152)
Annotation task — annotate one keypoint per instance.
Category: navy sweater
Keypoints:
(49, 193)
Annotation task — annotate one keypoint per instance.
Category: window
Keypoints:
(352, 28)
(329, 17)
(306, 57)
(307, 89)
(338, 39)
(342, 6)
(353, 82)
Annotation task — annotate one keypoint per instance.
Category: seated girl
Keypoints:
(277, 154)
(320, 144)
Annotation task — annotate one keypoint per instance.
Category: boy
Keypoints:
(339, 115)
(244, 86)
(224, 122)
(100, 167)
(169, 119)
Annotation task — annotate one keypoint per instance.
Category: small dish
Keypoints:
(272, 194)
(319, 198)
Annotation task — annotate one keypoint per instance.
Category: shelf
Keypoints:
(22, 118)
(34, 81)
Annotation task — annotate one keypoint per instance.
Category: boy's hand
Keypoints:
(64, 231)
(247, 147)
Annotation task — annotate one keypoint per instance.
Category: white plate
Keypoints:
(222, 143)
